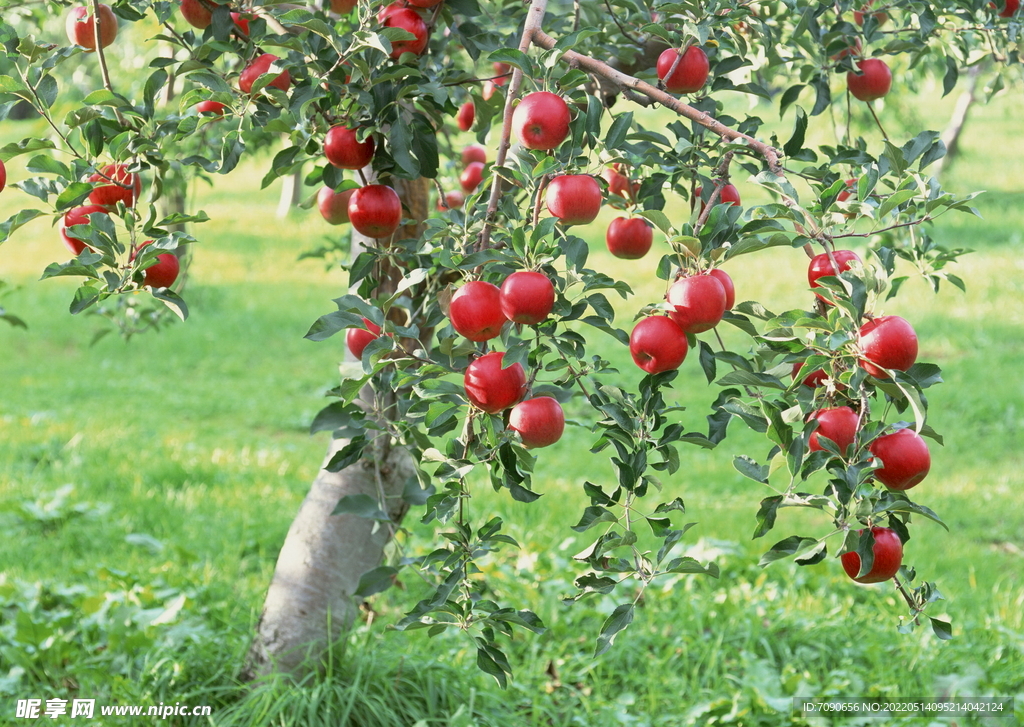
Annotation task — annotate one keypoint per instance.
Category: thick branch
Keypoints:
(769, 153)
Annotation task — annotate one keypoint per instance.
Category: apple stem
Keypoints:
(871, 108)
(540, 191)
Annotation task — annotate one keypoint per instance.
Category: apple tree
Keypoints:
(475, 315)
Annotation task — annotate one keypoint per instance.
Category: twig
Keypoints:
(96, 22)
(912, 223)
(625, 33)
(880, 127)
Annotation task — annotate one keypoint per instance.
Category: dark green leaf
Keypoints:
(377, 580)
(619, 619)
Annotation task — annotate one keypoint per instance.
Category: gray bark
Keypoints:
(291, 193)
(311, 598)
(951, 136)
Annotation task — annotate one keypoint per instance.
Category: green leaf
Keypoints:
(616, 136)
(515, 58)
(619, 619)
(85, 296)
(360, 506)
(374, 581)
(15, 221)
(766, 515)
(327, 325)
(336, 415)
(894, 200)
(659, 219)
(486, 662)
(747, 467)
(347, 455)
(592, 516)
(784, 548)
(951, 76)
(942, 629)
(172, 300)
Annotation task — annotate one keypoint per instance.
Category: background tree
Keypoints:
(397, 76)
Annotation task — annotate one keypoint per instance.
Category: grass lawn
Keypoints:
(147, 487)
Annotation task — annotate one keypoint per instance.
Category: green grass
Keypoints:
(187, 456)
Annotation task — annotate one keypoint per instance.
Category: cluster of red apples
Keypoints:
(479, 311)
(884, 344)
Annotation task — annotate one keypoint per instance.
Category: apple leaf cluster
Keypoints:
(372, 96)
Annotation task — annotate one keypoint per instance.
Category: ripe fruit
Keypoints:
(343, 149)
(492, 388)
(905, 456)
(260, 66)
(388, 10)
(730, 290)
(466, 116)
(475, 311)
(851, 184)
(471, 177)
(527, 297)
(410, 21)
(163, 272)
(488, 90)
(859, 15)
(821, 265)
(81, 31)
(690, 75)
(838, 424)
(853, 49)
(888, 550)
(357, 339)
(629, 238)
(77, 216)
(874, 81)
(127, 187)
(454, 199)
(575, 199)
(375, 210)
(1009, 8)
(814, 379)
(474, 153)
(699, 302)
(728, 195)
(196, 14)
(333, 205)
(3, 176)
(887, 342)
(541, 120)
(540, 421)
(502, 71)
(215, 108)
(241, 22)
(423, 3)
(657, 344)
(619, 183)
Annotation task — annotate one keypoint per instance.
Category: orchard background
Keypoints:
(148, 487)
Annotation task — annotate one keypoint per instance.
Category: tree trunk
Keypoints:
(291, 193)
(311, 598)
(951, 136)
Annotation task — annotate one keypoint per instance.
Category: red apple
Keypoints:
(375, 210)
(490, 387)
(214, 108)
(730, 290)
(77, 216)
(541, 120)
(333, 205)
(814, 379)
(838, 424)
(126, 187)
(540, 421)
(80, 30)
(874, 81)
(454, 200)
(475, 311)
(691, 74)
(887, 342)
(466, 116)
(241, 22)
(575, 199)
(3, 176)
(474, 153)
(488, 90)
(388, 10)
(502, 71)
(357, 339)
(619, 183)
(657, 344)
(343, 149)
(260, 66)
(629, 238)
(906, 459)
(699, 302)
(196, 14)
(409, 20)
(163, 272)
(423, 3)
(471, 177)
(888, 551)
(853, 49)
(728, 195)
(851, 185)
(343, 7)
(1009, 8)
(527, 297)
(821, 266)
(859, 15)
